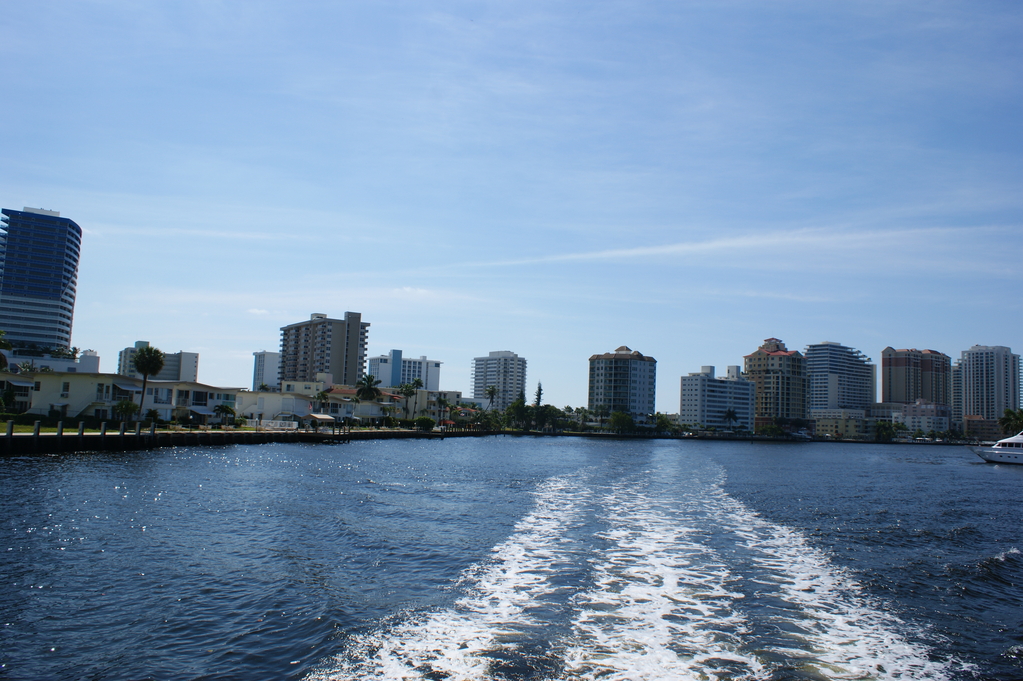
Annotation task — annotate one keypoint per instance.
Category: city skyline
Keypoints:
(681, 178)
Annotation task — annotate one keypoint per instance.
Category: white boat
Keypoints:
(1009, 450)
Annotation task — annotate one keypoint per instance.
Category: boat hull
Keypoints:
(1000, 455)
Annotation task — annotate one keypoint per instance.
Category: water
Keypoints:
(513, 558)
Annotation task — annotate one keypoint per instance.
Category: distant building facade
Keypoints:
(839, 378)
(842, 424)
(924, 416)
(39, 252)
(266, 370)
(780, 378)
(324, 345)
(502, 369)
(989, 381)
(706, 400)
(393, 370)
(86, 362)
(909, 375)
(177, 366)
(957, 395)
(624, 380)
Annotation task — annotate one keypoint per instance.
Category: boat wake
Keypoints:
(625, 582)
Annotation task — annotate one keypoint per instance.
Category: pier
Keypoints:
(123, 438)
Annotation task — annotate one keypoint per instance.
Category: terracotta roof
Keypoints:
(623, 352)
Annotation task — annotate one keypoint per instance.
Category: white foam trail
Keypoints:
(661, 607)
(665, 601)
(455, 643)
(840, 632)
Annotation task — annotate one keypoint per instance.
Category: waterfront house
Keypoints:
(93, 395)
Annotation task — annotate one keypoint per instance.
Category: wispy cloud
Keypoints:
(113, 230)
(752, 242)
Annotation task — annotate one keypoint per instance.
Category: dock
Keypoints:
(134, 439)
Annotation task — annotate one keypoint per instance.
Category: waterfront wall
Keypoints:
(123, 439)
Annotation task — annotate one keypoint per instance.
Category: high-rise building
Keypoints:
(323, 345)
(624, 380)
(710, 401)
(177, 366)
(266, 369)
(392, 369)
(957, 395)
(909, 375)
(780, 378)
(990, 382)
(39, 253)
(502, 369)
(839, 378)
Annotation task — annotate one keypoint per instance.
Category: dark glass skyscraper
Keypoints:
(39, 253)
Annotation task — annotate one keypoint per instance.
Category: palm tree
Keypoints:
(730, 417)
(223, 411)
(406, 390)
(4, 345)
(354, 401)
(490, 393)
(366, 388)
(322, 397)
(417, 383)
(1012, 421)
(125, 409)
(148, 361)
(582, 414)
(442, 405)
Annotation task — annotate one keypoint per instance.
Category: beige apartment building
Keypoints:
(324, 345)
(781, 381)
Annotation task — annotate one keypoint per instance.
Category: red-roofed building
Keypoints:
(781, 381)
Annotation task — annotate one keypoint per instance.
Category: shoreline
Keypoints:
(26, 444)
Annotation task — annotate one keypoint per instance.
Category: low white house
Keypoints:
(301, 398)
(197, 401)
(78, 395)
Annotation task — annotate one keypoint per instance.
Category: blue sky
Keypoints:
(556, 179)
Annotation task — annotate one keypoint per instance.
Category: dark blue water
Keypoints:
(509, 558)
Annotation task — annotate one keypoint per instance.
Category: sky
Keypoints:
(556, 179)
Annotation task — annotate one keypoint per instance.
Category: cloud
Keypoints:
(816, 246)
